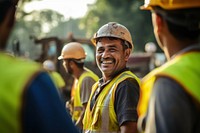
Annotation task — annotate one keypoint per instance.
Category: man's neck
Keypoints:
(78, 73)
(108, 78)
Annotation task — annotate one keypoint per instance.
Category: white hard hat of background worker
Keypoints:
(73, 50)
(150, 47)
(116, 30)
(49, 65)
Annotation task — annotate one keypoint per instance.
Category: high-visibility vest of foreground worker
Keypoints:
(24, 72)
(174, 70)
(170, 96)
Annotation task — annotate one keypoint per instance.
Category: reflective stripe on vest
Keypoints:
(102, 117)
(14, 78)
(77, 101)
(184, 69)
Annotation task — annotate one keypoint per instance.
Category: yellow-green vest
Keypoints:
(57, 79)
(102, 118)
(78, 107)
(14, 78)
(184, 69)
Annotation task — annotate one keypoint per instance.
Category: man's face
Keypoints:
(110, 56)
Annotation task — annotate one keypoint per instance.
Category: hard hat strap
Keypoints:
(77, 60)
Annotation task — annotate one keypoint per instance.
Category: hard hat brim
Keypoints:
(93, 40)
(145, 7)
(60, 58)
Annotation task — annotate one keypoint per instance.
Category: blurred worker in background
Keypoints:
(56, 77)
(29, 101)
(170, 96)
(114, 98)
(151, 48)
(73, 56)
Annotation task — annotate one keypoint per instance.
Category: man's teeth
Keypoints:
(107, 62)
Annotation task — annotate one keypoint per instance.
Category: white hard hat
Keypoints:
(113, 29)
(150, 47)
(49, 65)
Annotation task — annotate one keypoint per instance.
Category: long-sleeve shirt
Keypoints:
(43, 110)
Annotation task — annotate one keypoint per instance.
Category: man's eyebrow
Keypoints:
(112, 46)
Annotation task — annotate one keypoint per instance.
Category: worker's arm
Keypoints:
(127, 96)
(86, 88)
(43, 110)
(79, 122)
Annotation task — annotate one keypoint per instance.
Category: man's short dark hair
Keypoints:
(184, 24)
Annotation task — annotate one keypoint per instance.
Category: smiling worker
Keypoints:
(114, 98)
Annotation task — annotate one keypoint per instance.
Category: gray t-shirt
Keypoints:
(172, 109)
(126, 101)
(86, 88)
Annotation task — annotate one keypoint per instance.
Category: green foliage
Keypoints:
(126, 12)
(48, 23)
(65, 27)
(37, 24)
(41, 24)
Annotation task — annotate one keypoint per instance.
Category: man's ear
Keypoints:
(72, 64)
(159, 22)
(127, 54)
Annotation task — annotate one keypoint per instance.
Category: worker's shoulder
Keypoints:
(129, 81)
(18, 64)
(56, 74)
(89, 74)
(28, 62)
(88, 79)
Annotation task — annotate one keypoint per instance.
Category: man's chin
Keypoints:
(106, 71)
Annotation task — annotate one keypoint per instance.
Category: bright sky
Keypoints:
(69, 8)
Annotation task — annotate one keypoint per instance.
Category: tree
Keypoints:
(126, 12)
(37, 23)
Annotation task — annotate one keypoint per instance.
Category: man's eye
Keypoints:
(112, 50)
(100, 51)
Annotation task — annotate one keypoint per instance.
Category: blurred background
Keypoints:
(44, 26)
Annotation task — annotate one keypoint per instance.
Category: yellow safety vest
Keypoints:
(78, 107)
(184, 69)
(57, 79)
(15, 75)
(102, 118)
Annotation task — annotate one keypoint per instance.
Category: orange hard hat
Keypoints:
(72, 50)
